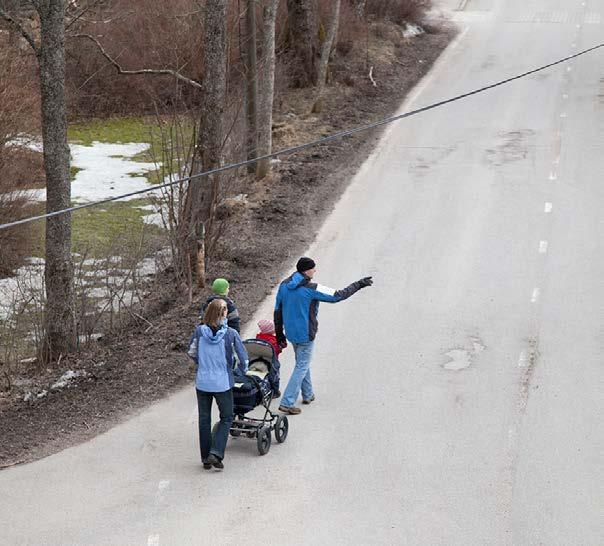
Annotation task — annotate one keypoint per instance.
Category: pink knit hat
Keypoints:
(266, 326)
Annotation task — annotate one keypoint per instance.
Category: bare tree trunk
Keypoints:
(203, 193)
(303, 38)
(251, 88)
(60, 303)
(60, 323)
(326, 49)
(267, 86)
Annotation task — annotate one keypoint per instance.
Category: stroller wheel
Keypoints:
(281, 428)
(264, 440)
(235, 433)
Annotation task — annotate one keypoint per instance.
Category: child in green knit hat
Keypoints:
(220, 287)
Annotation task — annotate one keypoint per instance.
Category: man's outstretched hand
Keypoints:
(365, 281)
(282, 342)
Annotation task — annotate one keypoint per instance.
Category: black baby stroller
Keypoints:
(253, 390)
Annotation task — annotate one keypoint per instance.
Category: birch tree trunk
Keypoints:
(60, 301)
(303, 38)
(267, 86)
(326, 49)
(203, 193)
(251, 88)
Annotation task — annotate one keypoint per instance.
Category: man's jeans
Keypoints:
(300, 379)
(217, 444)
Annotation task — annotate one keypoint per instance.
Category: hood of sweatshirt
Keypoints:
(296, 280)
(211, 337)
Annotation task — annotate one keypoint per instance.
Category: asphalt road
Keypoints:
(459, 399)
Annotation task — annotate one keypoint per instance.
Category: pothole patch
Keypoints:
(461, 358)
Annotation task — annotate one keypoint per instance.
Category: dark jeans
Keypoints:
(217, 443)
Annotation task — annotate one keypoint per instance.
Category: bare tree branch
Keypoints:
(19, 28)
(120, 70)
(82, 13)
(80, 17)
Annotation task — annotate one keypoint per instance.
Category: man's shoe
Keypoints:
(207, 466)
(276, 394)
(292, 411)
(215, 461)
(311, 399)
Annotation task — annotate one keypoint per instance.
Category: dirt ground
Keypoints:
(123, 374)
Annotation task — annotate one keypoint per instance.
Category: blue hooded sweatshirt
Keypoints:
(213, 353)
(297, 306)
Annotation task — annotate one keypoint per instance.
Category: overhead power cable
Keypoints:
(301, 147)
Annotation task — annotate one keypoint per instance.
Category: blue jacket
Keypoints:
(213, 353)
(297, 306)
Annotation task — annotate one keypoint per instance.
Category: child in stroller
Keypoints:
(254, 389)
(267, 333)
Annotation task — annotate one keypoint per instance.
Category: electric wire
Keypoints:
(300, 147)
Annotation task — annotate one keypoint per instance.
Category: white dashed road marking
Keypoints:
(548, 207)
(523, 360)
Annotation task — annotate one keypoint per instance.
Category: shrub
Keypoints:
(19, 166)
(398, 11)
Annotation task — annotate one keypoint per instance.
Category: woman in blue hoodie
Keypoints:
(211, 347)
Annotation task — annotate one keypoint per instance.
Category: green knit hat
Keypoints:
(220, 287)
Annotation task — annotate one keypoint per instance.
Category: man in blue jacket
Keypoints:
(296, 310)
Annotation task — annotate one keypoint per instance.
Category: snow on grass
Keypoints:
(98, 279)
(67, 378)
(105, 170)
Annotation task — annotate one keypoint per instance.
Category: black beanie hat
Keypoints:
(304, 264)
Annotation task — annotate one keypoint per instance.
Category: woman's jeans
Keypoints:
(300, 378)
(217, 443)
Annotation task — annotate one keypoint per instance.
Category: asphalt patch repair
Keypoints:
(122, 374)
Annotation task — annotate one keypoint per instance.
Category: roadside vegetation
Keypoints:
(140, 265)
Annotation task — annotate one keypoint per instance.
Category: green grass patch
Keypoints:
(113, 229)
(73, 171)
(114, 130)
(135, 129)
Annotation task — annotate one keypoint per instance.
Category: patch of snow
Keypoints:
(25, 141)
(67, 378)
(107, 170)
(91, 337)
(33, 260)
(154, 219)
(29, 360)
(31, 397)
(28, 281)
(412, 30)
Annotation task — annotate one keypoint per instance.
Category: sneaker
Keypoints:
(207, 466)
(311, 399)
(276, 394)
(215, 461)
(292, 411)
